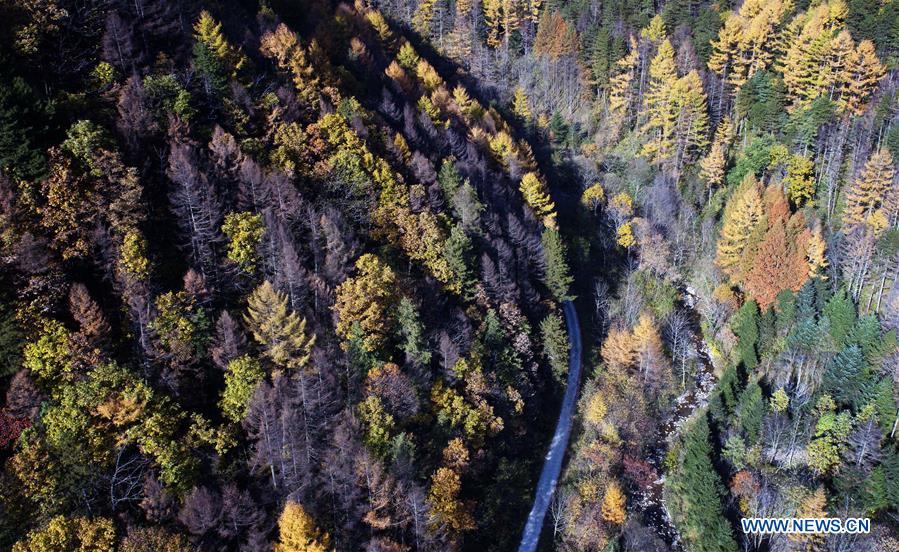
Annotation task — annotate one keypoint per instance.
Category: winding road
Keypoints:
(552, 466)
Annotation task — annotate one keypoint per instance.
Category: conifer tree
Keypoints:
(520, 105)
(864, 197)
(712, 166)
(781, 259)
(745, 326)
(692, 120)
(538, 199)
(283, 45)
(741, 216)
(557, 276)
(365, 300)
(658, 112)
(208, 32)
(297, 532)
(806, 71)
(817, 254)
(621, 86)
(860, 77)
(279, 331)
(696, 491)
(613, 504)
(555, 344)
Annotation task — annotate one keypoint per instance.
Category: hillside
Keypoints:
(291, 275)
(267, 275)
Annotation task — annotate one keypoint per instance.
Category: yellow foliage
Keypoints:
(365, 300)
(596, 409)
(520, 105)
(297, 532)
(446, 507)
(537, 198)
(77, 534)
(428, 75)
(625, 236)
(613, 504)
(380, 25)
(593, 197)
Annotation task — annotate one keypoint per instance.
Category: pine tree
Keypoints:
(741, 217)
(841, 312)
(279, 331)
(745, 325)
(366, 300)
(658, 112)
(538, 199)
(297, 532)
(860, 77)
(621, 86)
(751, 410)
(613, 504)
(412, 332)
(599, 59)
(555, 344)
(557, 276)
(696, 491)
(864, 197)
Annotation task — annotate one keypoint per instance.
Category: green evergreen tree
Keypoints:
(411, 332)
(745, 326)
(557, 277)
(19, 157)
(695, 493)
(457, 251)
(785, 311)
(767, 331)
(751, 410)
(555, 344)
(724, 398)
(840, 310)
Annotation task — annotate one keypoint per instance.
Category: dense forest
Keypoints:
(290, 275)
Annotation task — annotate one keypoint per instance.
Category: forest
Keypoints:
(296, 275)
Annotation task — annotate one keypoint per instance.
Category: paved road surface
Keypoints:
(552, 467)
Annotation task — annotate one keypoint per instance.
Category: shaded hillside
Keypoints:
(268, 274)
